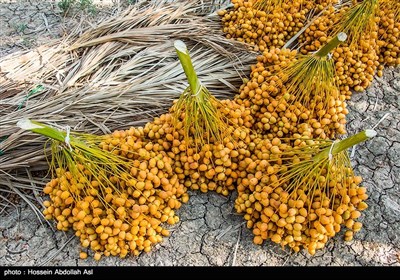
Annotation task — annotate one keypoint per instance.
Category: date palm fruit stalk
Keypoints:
(81, 155)
(311, 78)
(202, 121)
(274, 114)
(358, 20)
(320, 158)
(308, 191)
(355, 63)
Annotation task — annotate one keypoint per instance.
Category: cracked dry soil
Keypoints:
(210, 233)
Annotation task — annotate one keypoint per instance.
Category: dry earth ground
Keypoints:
(210, 232)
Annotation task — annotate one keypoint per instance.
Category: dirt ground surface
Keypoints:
(210, 233)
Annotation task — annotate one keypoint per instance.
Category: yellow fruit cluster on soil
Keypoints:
(118, 216)
(267, 27)
(125, 213)
(356, 64)
(268, 132)
(130, 214)
(278, 114)
(300, 217)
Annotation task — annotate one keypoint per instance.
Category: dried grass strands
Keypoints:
(15, 186)
(154, 14)
(101, 48)
(38, 64)
(26, 187)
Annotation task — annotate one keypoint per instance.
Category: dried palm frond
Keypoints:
(63, 62)
(26, 187)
